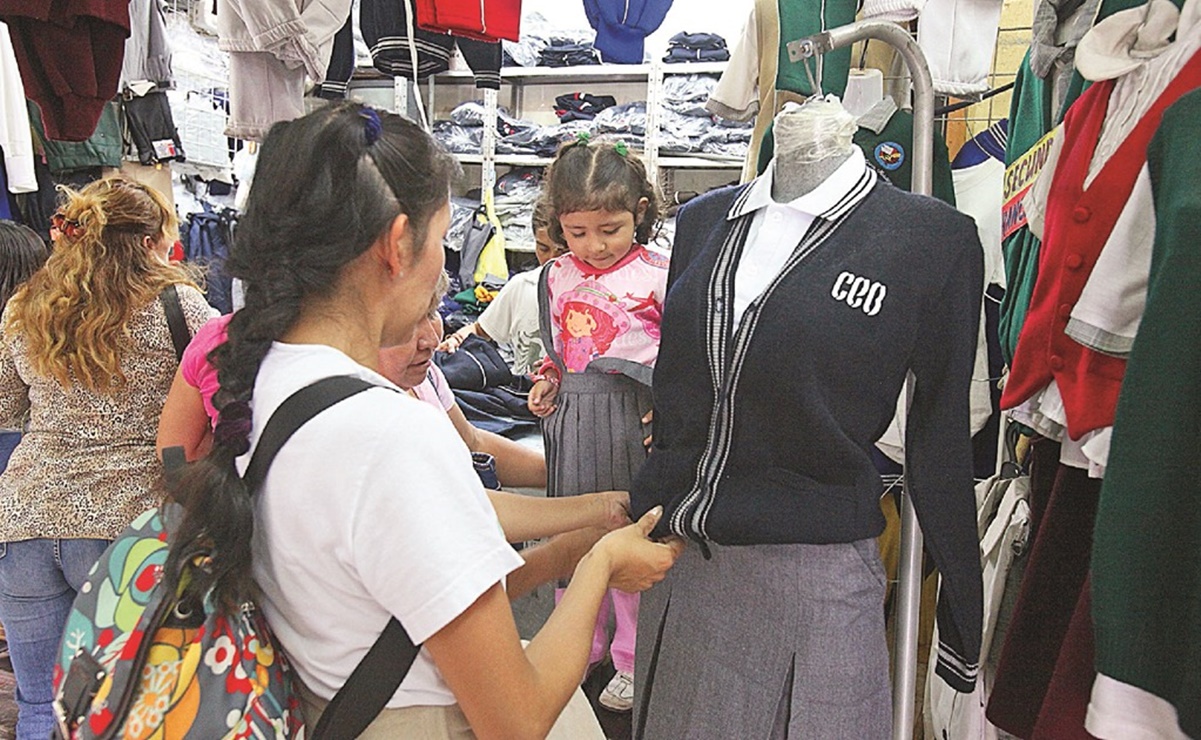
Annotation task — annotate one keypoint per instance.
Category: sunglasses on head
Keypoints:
(66, 227)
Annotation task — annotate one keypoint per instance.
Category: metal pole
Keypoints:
(909, 575)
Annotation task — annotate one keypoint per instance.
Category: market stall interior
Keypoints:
(978, 417)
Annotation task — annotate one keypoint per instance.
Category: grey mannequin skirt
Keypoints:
(766, 642)
(594, 437)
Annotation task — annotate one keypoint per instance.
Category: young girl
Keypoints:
(600, 308)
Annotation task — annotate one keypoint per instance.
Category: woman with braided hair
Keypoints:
(86, 352)
(372, 509)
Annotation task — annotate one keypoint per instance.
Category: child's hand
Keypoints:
(612, 508)
(542, 398)
(454, 341)
(650, 438)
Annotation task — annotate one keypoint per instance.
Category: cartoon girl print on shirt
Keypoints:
(590, 319)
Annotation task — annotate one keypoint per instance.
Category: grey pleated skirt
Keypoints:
(765, 642)
(594, 438)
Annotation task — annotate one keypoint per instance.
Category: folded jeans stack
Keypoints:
(696, 47)
(628, 119)
(543, 141)
(567, 52)
(581, 106)
(688, 128)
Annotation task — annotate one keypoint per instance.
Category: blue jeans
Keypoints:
(38, 582)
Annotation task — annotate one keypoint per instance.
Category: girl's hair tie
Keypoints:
(372, 126)
(621, 148)
(583, 137)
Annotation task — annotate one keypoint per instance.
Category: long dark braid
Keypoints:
(327, 186)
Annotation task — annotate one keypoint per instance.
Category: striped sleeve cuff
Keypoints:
(960, 674)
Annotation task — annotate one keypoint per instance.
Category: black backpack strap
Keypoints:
(374, 680)
(180, 334)
(384, 667)
(296, 410)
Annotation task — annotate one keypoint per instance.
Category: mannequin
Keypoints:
(799, 303)
(812, 141)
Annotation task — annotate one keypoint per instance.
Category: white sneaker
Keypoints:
(618, 696)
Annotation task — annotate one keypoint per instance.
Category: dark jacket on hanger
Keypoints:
(782, 453)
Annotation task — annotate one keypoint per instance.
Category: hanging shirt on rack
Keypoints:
(1037, 105)
(273, 46)
(147, 50)
(978, 174)
(761, 77)
(15, 139)
(959, 38)
(386, 29)
(482, 20)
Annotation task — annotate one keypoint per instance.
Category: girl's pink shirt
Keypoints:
(195, 367)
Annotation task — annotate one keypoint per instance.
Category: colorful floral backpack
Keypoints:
(136, 663)
(139, 662)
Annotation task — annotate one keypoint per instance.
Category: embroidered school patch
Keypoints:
(889, 155)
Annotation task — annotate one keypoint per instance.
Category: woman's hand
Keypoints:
(636, 562)
(542, 398)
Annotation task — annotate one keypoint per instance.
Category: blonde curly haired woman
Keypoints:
(86, 351)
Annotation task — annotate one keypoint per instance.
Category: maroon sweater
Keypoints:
(69, 53)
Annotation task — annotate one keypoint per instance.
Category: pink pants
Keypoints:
(625, 614)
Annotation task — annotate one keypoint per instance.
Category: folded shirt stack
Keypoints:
(567, 52)
(581, 106)
(696, 47)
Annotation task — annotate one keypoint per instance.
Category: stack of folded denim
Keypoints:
(543, 141)
(629, 118)
(687, 94)
(728, 141)
(682, 134)
(687, 128)
(516, 193)
(696, 47)
(464, 132)
(458, 139)
(567, 52)
(581, 106)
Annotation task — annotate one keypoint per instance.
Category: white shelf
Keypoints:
(700, 163)
(694, 68)
(512, 160)
(585, 73)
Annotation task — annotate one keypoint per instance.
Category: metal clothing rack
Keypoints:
(910, 569)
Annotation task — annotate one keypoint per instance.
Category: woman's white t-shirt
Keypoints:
(372, 509)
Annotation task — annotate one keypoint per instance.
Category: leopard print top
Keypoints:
(87, 467)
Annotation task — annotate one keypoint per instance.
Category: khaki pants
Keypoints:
(577, 722)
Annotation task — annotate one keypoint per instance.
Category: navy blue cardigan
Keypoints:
(763, 432)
